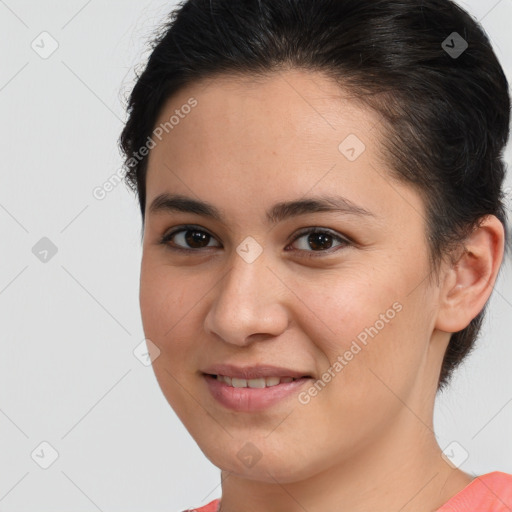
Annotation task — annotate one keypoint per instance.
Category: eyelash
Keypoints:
(306, 231)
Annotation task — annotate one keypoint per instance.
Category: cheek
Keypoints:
(167, 298)
(366, 325)
(369, 360)
(347, 304)
(166, 294)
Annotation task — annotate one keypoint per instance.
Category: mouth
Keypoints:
(255, 394)
(257, 383)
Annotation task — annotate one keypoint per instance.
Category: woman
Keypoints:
(320, 185)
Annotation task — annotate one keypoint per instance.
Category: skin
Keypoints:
(366, 441)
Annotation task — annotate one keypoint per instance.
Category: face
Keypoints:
(334, 291)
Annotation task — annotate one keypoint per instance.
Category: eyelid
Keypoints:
(318, 229)
(178, 229)
(345, 240)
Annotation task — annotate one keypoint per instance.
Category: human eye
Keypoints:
(321, 239)
(189, 239)
(195, 237)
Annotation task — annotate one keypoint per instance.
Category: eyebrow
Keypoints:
(169, 203)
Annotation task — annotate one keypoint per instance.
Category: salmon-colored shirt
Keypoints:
(491, 492)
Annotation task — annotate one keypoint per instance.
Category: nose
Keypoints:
(249, 303)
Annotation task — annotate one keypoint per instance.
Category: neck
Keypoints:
(402, 471)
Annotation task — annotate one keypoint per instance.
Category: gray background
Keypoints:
(68, 373)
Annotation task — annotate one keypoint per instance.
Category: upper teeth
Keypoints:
(262, 382)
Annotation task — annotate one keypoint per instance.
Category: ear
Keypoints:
(468, 283)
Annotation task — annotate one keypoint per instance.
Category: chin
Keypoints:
(271, 467)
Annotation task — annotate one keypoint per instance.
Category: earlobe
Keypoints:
(469, 282)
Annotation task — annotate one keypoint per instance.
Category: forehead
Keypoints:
(293, 102)
(253, 140)
(288, 104)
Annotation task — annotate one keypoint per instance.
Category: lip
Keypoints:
(252, 399)
(254, 372)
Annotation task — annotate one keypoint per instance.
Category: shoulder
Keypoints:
(491, 492)
(213, 506)
(498, 483)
